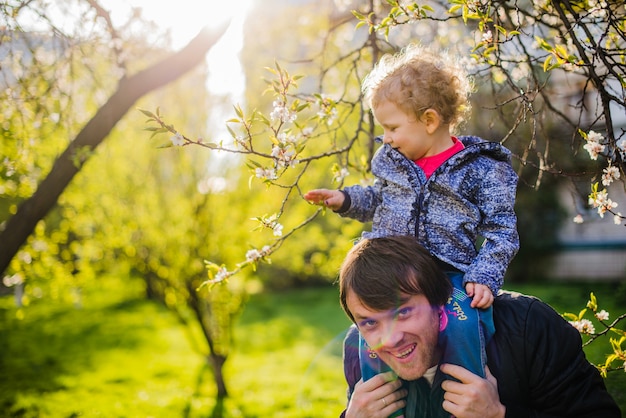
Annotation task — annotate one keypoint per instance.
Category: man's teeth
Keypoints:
(406, 352)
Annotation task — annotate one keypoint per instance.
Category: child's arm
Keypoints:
(481, 295)
(332, 199)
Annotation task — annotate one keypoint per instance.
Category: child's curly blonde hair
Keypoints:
(419, 78)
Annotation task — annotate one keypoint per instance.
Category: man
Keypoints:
(393, 291)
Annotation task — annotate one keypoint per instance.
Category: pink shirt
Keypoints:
(430, 164)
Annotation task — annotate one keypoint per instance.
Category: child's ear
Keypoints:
(432, 120)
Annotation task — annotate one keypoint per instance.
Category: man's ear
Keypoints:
(443, 319)
(432, 119)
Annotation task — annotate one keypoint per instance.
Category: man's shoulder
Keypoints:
(508, 298)
(509, 303)
(513, 309)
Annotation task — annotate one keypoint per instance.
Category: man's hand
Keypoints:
(481, 295)
(379, 397)
(332, 199)
(472, 396)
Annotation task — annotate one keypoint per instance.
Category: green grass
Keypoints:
(117, 356)
(121, 356)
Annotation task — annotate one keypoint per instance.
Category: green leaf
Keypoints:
(157, 132)
(238, 111)
(582, 313)
(619, 332)
(358, 16)
(546, 63)
(148, 113)
(570, 316)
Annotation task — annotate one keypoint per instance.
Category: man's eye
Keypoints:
(403, 312)
(368, 323)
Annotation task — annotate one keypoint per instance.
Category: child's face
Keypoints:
(405, 133)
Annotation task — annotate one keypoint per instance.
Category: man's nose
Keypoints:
(390, 336)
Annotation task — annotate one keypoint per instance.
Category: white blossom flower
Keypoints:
(584, 326)
(281, 112)
(594, 146)
(594, 136)
(177, 139)
(221, 275)
(608, 206)
(284, 157)
(25, 257)
(578, 219)
(487, 37)
(9, 167)
(278, 229)
(328, 111)
(597, 9)
(602, 315)
(40, 245)
(341, 174)
(598, 199)
(286, 138)
(331, 116)
(253, 255)
(610, 174)
(621, 145)
(617, 218)
(272, 223)
(520, 72)
(13, 280)
(265, 173)
(601, 201)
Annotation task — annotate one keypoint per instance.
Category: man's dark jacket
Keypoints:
(538, 360)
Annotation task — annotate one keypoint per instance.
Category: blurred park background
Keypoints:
(108, 234)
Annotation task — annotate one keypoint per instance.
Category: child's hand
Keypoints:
(481, 295)
(332, 199)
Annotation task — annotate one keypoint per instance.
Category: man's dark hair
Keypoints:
(380, 270)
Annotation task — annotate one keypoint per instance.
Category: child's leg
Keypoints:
(467, 331)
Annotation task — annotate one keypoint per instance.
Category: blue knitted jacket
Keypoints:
(468, 199)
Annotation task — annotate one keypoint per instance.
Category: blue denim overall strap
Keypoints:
(465, 331)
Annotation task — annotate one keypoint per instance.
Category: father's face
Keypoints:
(404, 337)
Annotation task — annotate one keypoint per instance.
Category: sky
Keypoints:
(185, 18)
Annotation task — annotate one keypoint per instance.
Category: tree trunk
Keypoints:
(129, 90)
(215, 360)
(217, 363)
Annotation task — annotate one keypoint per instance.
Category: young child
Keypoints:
(450, 192)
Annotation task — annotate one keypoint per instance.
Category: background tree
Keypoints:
(115, 215)
(26, 50)
(523, 56)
